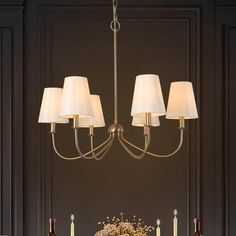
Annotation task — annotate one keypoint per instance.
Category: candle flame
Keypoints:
(158, 222)
(72, 217)
(175, 212)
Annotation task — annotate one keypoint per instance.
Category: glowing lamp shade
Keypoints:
(147, 96)
(76, 98)
(50, 106)
(97, 120)
(140, 121)
(181, 102)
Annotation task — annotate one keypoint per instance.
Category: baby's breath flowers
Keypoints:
(121, 226)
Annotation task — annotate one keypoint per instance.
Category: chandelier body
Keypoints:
(75, 102)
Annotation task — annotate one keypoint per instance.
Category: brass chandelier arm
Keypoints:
(93, 152)
(98, 158)
(103, 147)
(58, 153)
(144, 151)
(91, 144)
(106, 144)
(157, 155)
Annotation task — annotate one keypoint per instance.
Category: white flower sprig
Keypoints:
(121, 226)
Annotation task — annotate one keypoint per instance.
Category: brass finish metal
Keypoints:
(153, 154)
(146, 130)
(53, 128)
(76, 122)
(148, 119)
(91, 130)
(181, 123)
(115, 129)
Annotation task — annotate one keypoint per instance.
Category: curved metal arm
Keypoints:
(92, 151)
(105, 152)
(144, 151)
(91, 144)
(98, 158)
(157, 155)
(106, 144)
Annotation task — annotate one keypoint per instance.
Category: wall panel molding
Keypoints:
(209, 28)
(225, 3)
(11, 3)
(226, 24)
(48, 16)
(11, 94)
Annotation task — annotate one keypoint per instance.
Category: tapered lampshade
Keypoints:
(181, 102)
(97, 120)
(50, 106)
(140, 121)
(147, 96)
(76, 98)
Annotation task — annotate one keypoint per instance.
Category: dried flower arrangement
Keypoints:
(120, 226)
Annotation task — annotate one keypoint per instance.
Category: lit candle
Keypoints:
(175, 223)
(158, 229)
(72, 226)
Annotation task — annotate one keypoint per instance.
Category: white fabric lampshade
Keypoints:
(97, 120)
(181, 102)
(50, 106)
(140, 121)
(147, 96)
(76, 98)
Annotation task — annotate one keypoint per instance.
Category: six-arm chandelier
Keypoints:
(75, 102)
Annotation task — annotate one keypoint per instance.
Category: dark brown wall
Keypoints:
(11, 120)
(179, 40)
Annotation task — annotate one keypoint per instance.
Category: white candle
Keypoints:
(72, 226)
(175, 224)
(158, 229)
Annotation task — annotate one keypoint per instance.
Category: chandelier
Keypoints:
(75, 102)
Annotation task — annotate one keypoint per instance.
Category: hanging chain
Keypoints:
(115, 26)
